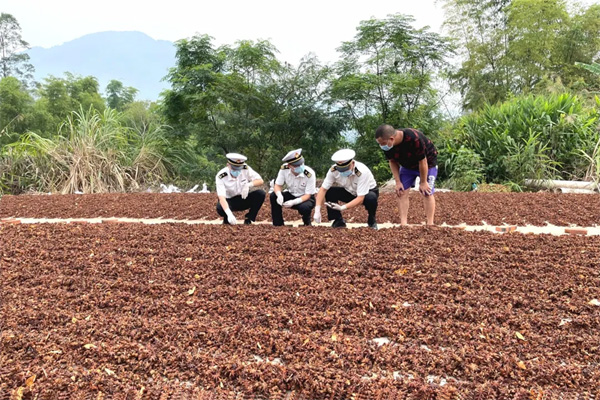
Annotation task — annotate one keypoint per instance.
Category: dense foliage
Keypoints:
(527, 74)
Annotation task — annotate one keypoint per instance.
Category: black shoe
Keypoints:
(307, 221)
(225, 222)
(248, 222)
(372, 223)
(339, 223)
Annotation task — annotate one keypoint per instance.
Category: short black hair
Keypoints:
(385, 131)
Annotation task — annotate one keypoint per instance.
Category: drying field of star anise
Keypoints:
(452, 208)
(175, 311)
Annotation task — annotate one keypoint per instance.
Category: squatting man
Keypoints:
(233, 190)
(357, 187)
(301, 187)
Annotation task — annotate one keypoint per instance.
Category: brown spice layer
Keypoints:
(452, 208)
(178, 309)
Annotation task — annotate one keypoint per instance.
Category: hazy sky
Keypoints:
(294, 27)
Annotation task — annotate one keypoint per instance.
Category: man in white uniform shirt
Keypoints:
(301, 187)
(358, 187)
(233, 189)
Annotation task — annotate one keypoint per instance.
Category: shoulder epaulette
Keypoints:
(307, 173)
(332, 168)
(285, 166)
(223, 175)
(245, 166)
(357, 172)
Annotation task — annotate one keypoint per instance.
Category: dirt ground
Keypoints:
(174, 311)
(451, 208)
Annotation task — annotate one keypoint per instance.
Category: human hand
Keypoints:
(230, 217)
(317, 216)
(424, 188)
(336, 206)
(279, 198)
(399, 188)
(246, 189)
(292, 203)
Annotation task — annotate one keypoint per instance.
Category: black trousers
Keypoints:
(335, 194)
(303, 208)
(253, 203)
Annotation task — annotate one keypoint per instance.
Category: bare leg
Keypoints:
(403, 204)
(429, 205)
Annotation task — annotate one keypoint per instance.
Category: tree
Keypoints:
(58, 97)
(240, 98)
(15, 105)
(12, 61)
(238, 120)
(535, 27)
(185, 105)
(513, 47)
(480, 31)
(388, 69)
(119, 96)
(580, 42)
(300, 115)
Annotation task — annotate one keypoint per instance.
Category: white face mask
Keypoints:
(346, 174)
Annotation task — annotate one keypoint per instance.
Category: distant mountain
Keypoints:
(133, 58)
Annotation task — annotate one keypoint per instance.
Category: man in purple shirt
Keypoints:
(410, 154)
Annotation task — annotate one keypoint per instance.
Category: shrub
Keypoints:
(466, 169)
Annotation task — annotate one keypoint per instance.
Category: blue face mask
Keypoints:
(236, 172)
(385, 147)
(299, 170)
(346, 174)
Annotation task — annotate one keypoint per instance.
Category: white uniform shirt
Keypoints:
(229, 186)
(358, 183)
(297, 185)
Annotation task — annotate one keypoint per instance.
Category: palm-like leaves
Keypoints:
(529, 137)
(593, 67)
